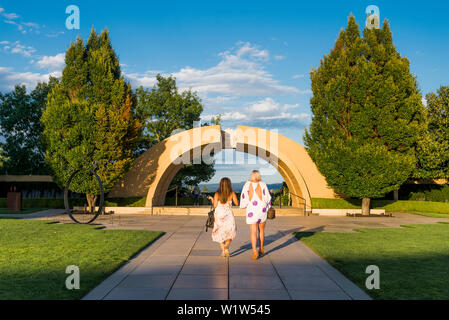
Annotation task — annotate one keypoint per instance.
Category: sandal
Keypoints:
(261, 252)
(255, 256)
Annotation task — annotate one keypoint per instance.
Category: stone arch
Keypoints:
(153, 171)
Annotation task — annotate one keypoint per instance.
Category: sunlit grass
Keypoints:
(34, 256)
(413, 261)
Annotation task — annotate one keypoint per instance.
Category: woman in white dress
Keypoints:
(224, 225)
(256, 199)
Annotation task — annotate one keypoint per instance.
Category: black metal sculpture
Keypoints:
(66, 198)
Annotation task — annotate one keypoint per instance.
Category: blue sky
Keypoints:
(248, 60)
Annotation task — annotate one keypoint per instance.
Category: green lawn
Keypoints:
(34, 256)
(413, 261)
(427, 208)
(23, 211)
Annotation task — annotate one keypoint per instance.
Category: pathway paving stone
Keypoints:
(185, 265)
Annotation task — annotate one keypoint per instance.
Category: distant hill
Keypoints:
(237, 186)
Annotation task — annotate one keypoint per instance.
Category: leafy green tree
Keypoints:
(3, 157)
(90, 119)
(433, 150)
(163, 110)
(367, 115)
(20, 125)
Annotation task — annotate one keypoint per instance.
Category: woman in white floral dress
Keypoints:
(256, 199)
(224, 230)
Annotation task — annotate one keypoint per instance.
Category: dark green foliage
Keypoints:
(163, 110)
(89, 121)
(432, 192)
(367, 114)
(433, 151)
(47, 203)
(20, 125)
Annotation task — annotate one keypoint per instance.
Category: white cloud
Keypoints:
(9, 78)
(264, 106)
(18, 48)
(54, 34)
(52, 62)
(235, 116)
(279, 57)
(424, 101)
(240, 73)
(245, 48)
(10, 22)
(146, 79)
(265, 112)
(23, 27)
(31, 25)
(10, 16)
(298, 76)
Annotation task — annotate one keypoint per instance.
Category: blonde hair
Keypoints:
(255, 175)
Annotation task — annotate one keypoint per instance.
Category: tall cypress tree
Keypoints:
(89, 121)
(367, 115)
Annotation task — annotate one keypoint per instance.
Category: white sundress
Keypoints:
(224, 225)
(256, 208)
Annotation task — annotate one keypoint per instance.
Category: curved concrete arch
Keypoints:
(154, 170)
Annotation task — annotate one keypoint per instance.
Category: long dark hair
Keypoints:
(224, 190)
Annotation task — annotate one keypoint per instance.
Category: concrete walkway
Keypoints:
(185, 264)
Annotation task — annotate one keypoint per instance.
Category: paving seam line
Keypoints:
(182, 267)
(279, 276)
(153, 247)
(292, 237)
(143, 260)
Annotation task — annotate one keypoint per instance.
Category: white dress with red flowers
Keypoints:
(256, 208)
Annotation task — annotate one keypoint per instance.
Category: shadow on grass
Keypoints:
(413, 260)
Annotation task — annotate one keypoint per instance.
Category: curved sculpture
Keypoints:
(153, 171)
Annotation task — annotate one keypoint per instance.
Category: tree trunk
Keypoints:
(91, 200)
(396, 195)
(366, 206)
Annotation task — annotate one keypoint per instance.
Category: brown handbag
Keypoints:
(271, 213)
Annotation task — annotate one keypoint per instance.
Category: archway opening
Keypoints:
(236, 165)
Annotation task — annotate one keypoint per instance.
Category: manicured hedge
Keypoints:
(388, 205)
(125, 202)
(318, 203)
(438, 193)
(49, 203)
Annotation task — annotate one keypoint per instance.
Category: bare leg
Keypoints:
(253, 230)
(226, 245)
(261, 236)
(222, 246)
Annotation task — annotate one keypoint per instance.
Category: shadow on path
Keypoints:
(274, 237)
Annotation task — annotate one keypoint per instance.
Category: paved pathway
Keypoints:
(185, 264)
